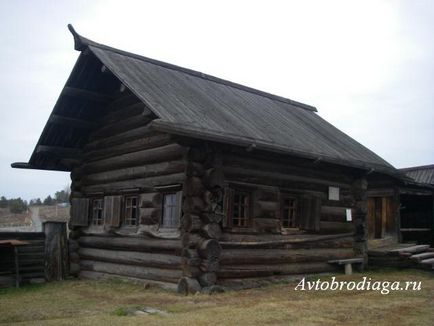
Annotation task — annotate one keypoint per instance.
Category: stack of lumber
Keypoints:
(417, 256)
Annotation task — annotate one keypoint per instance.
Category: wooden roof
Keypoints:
(192, 104)
(421, 174)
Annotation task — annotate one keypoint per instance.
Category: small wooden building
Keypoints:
(417, 204)
(183, 178)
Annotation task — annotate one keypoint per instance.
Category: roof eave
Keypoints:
(165, 126)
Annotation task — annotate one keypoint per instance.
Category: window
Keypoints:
(240, 209)
(131, 210)
(171, 210)
(289, 211)
(97, 212)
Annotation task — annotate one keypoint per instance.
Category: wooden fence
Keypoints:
(45, 257)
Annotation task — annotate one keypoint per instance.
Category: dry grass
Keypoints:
(97, 303)
(8, 219)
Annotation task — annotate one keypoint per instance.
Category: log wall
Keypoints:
(263, 250)
(123, 156)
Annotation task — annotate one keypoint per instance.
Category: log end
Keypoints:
(187, 285)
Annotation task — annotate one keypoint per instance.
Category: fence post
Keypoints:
(56, 251)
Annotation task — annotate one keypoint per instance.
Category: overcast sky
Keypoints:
(366, 65)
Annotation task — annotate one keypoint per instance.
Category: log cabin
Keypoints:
(185, 179)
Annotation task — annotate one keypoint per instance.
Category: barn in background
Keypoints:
(182, 178)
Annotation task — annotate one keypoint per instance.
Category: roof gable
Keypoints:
(190, 103)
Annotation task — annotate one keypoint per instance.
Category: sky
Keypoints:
(366, 65)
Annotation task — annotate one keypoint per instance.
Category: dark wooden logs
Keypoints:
(211, 231)
(313, 241)
(190, 222)
(148, 170)
(193, 205)
(275, 256)
(131, 244)
(157, 274)
(73, 245)
(270, 177)
(187, 285)
(146, 183)
(194, 169)
(213, 178)
(120, 138)
(241, 271)
(190, 240)
(146, 156)
(123, 125)
(209, 265)
(286, 166)
(193, 187)
(359, 191)
(207, 279)
(190, 271)
(209, 249)
(152, 141)
(131, 258)
(212, 217)
(74, 269)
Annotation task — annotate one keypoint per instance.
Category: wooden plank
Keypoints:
(412, 249)
(371, 218)
(79, 211)
(71, 122)
(61, 152)
(112, 210)
(85, 94)
(56, 251)
(422, 256)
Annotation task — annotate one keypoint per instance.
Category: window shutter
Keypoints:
(178, 207)
(309, 213)
(112, 210)
(79, 211)
(227, 206)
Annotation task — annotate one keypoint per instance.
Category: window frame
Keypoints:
(99, 220)
(294, 209)
(126, 220)
(248, 208)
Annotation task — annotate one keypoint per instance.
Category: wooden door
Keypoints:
(379, 216)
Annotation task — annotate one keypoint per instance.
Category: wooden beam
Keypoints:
(71, 122)
(89, 95)
(62, 152)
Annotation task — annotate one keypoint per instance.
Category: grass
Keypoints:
(107, 303)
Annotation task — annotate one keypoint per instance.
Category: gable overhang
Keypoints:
(82, 100)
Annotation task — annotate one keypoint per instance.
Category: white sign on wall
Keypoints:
(333, 193)
(349, 215)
